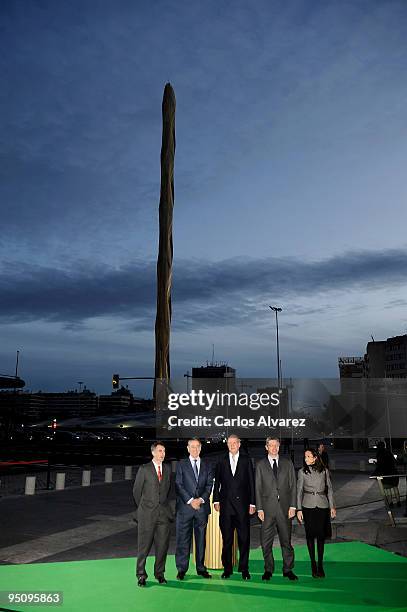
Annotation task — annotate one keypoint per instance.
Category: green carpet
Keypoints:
(359, 577)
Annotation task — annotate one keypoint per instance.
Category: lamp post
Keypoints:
(187, 376)
(276, 309)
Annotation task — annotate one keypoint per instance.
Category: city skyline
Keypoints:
(291, 146)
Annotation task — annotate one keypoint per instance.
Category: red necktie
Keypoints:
(160, 476)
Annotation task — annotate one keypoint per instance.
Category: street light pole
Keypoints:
(17, 356)
(187, 376)
(276, 309)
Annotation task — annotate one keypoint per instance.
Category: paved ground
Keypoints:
(97, 522)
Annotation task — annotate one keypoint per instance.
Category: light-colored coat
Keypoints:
(314, 490)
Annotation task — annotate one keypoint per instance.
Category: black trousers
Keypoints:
(158, 531)
(229, 521)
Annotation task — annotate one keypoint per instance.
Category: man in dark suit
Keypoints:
(151, 493)
(323, 454)
(276, 491)
(193, 485)
(234, 497)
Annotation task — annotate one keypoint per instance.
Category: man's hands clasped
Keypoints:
(196, 503)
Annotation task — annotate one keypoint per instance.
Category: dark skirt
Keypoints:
(317, 522)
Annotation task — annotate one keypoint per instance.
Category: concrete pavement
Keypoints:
(97, 522)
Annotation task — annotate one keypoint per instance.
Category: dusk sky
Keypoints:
(291, 131)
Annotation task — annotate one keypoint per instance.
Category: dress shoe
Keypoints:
(226, 575)
(180, 575)
(161, 580)
(142, 581)
(321, 573)
(290, 575)
(246, 575)
(314, 569)
(266, 576)
(204, 574)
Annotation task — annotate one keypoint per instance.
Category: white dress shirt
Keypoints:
(233, 459)
(156, 468)
(198, 465)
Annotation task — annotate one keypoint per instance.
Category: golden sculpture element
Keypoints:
(213, 550)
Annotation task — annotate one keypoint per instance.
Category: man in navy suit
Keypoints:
(193, 485)
(234, 497)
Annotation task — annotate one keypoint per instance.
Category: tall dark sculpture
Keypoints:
(165, 250)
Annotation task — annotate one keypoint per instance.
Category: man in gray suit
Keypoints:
(276, 502)
(151, 493)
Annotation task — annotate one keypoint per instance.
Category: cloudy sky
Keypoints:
(291, 150)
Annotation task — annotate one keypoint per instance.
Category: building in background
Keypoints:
(396, 357)
(351, 367)
(70, 404)
(382, 359)
(123, 401)
(214, 370)
(375, 359)
(118, 402)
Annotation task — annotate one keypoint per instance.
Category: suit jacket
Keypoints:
(386, 465)
(234, 493)
(151, 496)
(314, 490)
(325, 458)
(272, 492)
(186, 485)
